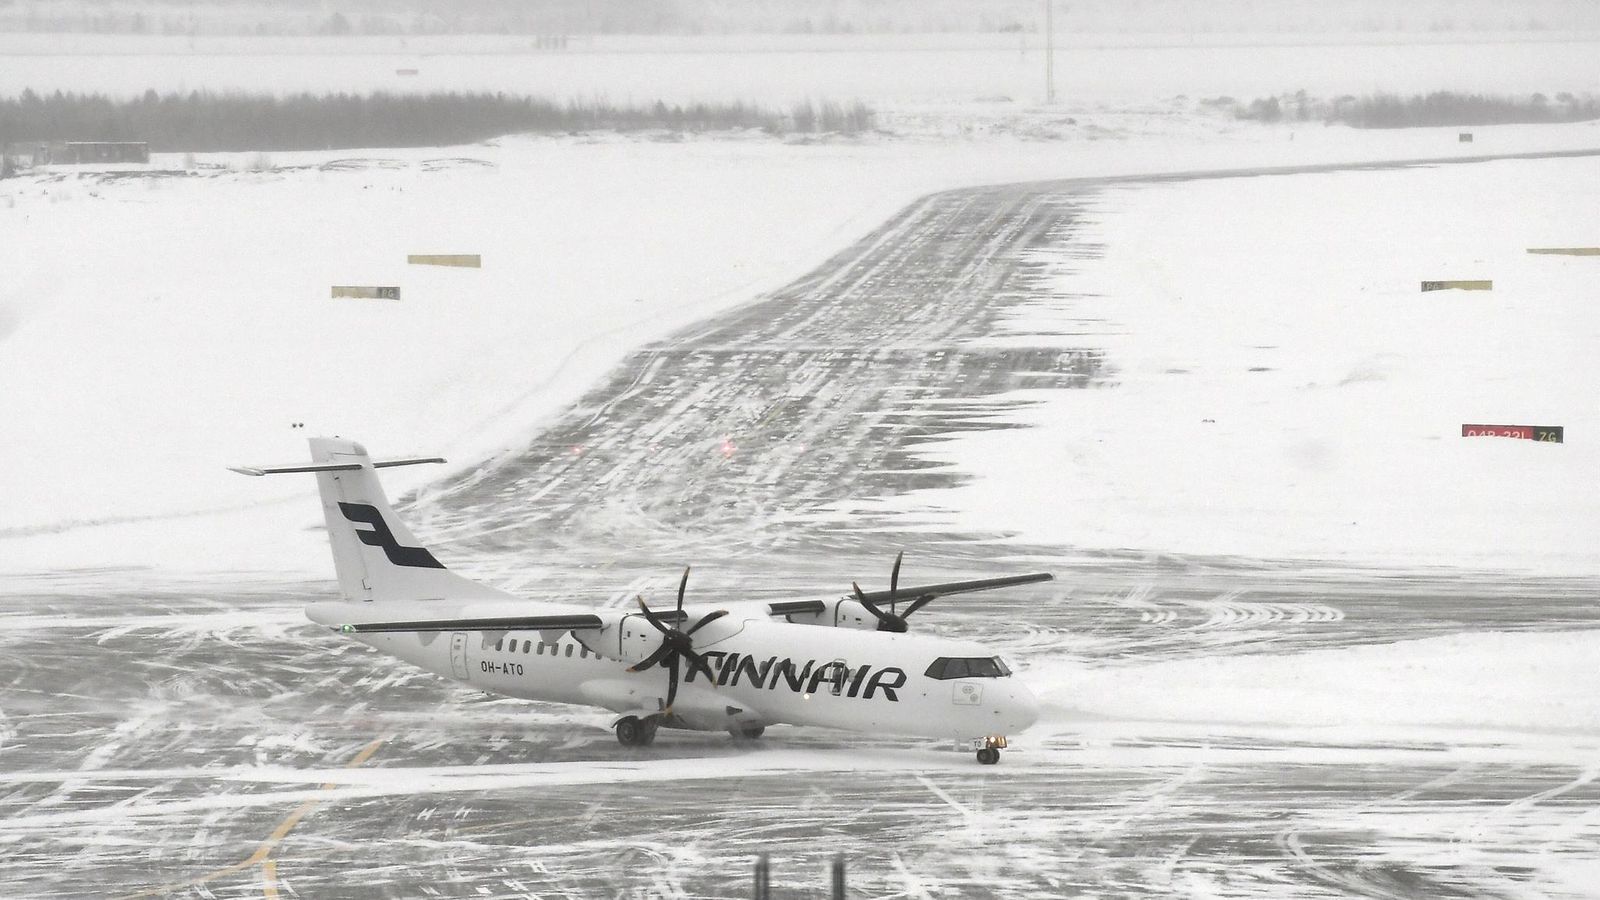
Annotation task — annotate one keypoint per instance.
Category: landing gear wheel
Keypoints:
(647, 732)
(631, 732)
(750, 733)
(988, 756)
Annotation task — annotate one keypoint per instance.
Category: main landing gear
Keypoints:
(988, 756)
(633, 731)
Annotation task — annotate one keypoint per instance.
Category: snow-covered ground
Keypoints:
(157, 329)
(153, 330)
(1284, 388)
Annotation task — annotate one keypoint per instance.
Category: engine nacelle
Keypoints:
(841, 613)
(631, 639)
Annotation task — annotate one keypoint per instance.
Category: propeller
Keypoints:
(893, 620)
(676, 645)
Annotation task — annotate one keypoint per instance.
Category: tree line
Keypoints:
(201, 121)
(1439, 108)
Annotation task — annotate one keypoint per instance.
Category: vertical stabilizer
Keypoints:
(376, 556)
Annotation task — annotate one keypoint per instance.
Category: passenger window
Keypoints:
(497, 644)
(569, 649)
(527, 647)
(541, 648)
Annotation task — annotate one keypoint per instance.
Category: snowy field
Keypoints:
(1284, 389)
(160, 328)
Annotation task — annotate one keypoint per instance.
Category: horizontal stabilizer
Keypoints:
(410, 461)
(956, 587)
(332, 467)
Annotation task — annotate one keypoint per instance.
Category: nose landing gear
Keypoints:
(989, 748)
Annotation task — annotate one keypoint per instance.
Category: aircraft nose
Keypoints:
(1023, 708)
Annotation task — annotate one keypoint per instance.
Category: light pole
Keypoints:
(1049, 52)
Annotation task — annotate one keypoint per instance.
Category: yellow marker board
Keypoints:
(1567, 251)
(366, 292)
(461, 260)
(1458, 285)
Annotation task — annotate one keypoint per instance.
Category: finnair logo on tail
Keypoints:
(381, 536)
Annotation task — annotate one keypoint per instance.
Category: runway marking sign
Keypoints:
(459, 260)
(367, 292)
(1566, 251)
(1550, 434)
(1484, 285)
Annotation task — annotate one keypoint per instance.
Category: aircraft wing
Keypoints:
(957, 587)
(914, 593)
(503, 623)
(528, 615)
(435, 616)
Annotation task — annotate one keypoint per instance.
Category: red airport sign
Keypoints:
(1552, 434)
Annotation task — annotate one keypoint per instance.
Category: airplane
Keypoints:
(845, 662)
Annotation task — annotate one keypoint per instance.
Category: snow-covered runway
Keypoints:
(154, 745)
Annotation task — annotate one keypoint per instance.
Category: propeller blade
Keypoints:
(681, 585)
(861, 598)
(919, 603)
(652, 617)
(672, 682)
(652, 659)
(894, 579)
(698, 662)
(707, 619)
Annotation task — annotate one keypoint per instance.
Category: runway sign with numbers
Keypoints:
(367, 292)
(1551, 434)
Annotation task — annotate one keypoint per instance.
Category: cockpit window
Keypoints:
(947, 667)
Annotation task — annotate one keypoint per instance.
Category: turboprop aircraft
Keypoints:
(840, 661)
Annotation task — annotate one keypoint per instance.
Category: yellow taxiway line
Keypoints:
(263, 855)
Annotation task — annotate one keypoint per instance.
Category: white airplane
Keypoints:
(839, 662)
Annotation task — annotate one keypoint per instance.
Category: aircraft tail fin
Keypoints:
(375, 555)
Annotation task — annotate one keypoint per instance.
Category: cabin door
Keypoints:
(458, 655)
